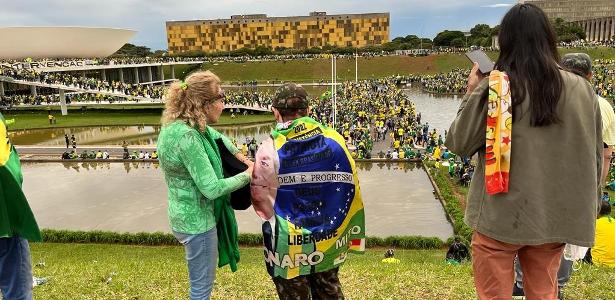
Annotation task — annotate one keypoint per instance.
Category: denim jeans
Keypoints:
(202, 257)
(15, 269)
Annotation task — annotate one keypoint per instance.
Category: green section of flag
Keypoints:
(16, 218)
(344, 238)
(282, 245)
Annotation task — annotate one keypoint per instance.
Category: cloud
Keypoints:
(498, 5)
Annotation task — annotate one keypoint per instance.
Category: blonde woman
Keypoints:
(199, 211)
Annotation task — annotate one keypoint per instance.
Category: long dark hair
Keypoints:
(528, 54)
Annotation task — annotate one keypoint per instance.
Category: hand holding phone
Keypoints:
(485, 64)
(474, 78)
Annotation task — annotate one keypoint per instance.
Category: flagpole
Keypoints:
(356, 67)
(332, 88)
(335, 92)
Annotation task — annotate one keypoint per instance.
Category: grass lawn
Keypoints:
(80, 271)
(76, 118)
(374, 67)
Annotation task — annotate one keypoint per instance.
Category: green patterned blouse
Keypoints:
(191, 180)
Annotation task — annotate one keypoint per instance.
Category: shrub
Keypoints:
(452, 204)
(244, 239)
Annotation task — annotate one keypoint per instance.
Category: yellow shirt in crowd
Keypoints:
(608, 121)
(603, 252)
(437, 153)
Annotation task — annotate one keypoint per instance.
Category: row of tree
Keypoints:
(479, 35)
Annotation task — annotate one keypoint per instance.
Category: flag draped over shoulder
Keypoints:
(499, 134)
(16, 218)
(319, 215)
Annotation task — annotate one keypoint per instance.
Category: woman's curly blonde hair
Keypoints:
(188, 100)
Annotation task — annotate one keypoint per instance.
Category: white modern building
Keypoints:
(61, 42)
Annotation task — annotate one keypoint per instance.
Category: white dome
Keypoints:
(61, 42)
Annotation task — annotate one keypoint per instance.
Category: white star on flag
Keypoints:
(338, 189)
(337, 166)
(288, 218)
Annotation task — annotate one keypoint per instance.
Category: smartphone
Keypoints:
(485, 65)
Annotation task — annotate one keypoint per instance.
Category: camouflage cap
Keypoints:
(288, 92)
(578, 63)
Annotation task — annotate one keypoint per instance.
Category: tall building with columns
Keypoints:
(597, 17)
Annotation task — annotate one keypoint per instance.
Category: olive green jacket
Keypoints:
(554, 174)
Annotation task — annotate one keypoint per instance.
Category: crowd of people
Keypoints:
(104, 155)
(133, 60)
(378, 120)
(587, 44)
(251, 98)
(209, 59)
(81, 82)
(454, 82)
(604, 78)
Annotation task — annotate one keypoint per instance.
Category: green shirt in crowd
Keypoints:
(191, 177)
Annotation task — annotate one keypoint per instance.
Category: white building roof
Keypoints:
(61, 42)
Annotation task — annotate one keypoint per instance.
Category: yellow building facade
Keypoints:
(241, 31)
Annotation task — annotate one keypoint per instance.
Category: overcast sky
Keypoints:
(420, 17)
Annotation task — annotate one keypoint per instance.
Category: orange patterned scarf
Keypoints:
(499, 134)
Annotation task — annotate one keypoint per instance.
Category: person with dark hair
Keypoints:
(527, 117)
(306, 191)
(457, 252)
(580, 64)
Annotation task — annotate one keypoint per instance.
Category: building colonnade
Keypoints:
(600, 29)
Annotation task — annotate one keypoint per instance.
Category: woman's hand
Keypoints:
(474, 78)
(249, 163)
(250, 169)
(242, 158)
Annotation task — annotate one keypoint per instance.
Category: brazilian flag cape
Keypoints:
(319, 214)
(16, 218)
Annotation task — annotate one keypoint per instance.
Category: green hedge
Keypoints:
(245, 239)
(453, 206)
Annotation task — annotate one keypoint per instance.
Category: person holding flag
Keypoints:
(305, 188)
(17, 225)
